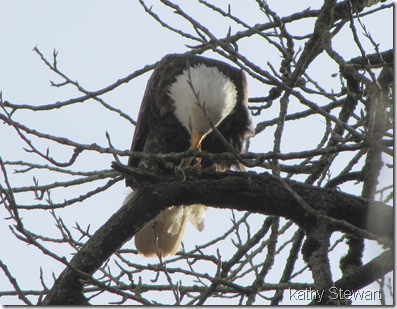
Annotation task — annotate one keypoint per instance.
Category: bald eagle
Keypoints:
(184, 92)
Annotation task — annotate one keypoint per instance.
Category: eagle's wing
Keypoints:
(141, 127)
(153, 134)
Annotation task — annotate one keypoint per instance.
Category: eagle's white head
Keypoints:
(214, 93)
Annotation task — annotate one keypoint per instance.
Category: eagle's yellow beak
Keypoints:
(195, 142)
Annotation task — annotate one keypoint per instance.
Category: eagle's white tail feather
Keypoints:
(166, 230)
(174, 217)
(196, 214)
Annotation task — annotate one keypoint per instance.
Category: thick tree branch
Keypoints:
(260, 193)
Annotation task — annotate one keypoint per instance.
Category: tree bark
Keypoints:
(248, 191)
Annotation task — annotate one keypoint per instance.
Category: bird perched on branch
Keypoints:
(185, 98)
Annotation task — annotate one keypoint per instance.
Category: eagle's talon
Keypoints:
(179, 170)
(186, 162)
(196, 168)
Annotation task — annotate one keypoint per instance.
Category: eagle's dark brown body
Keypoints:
(158, 129)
